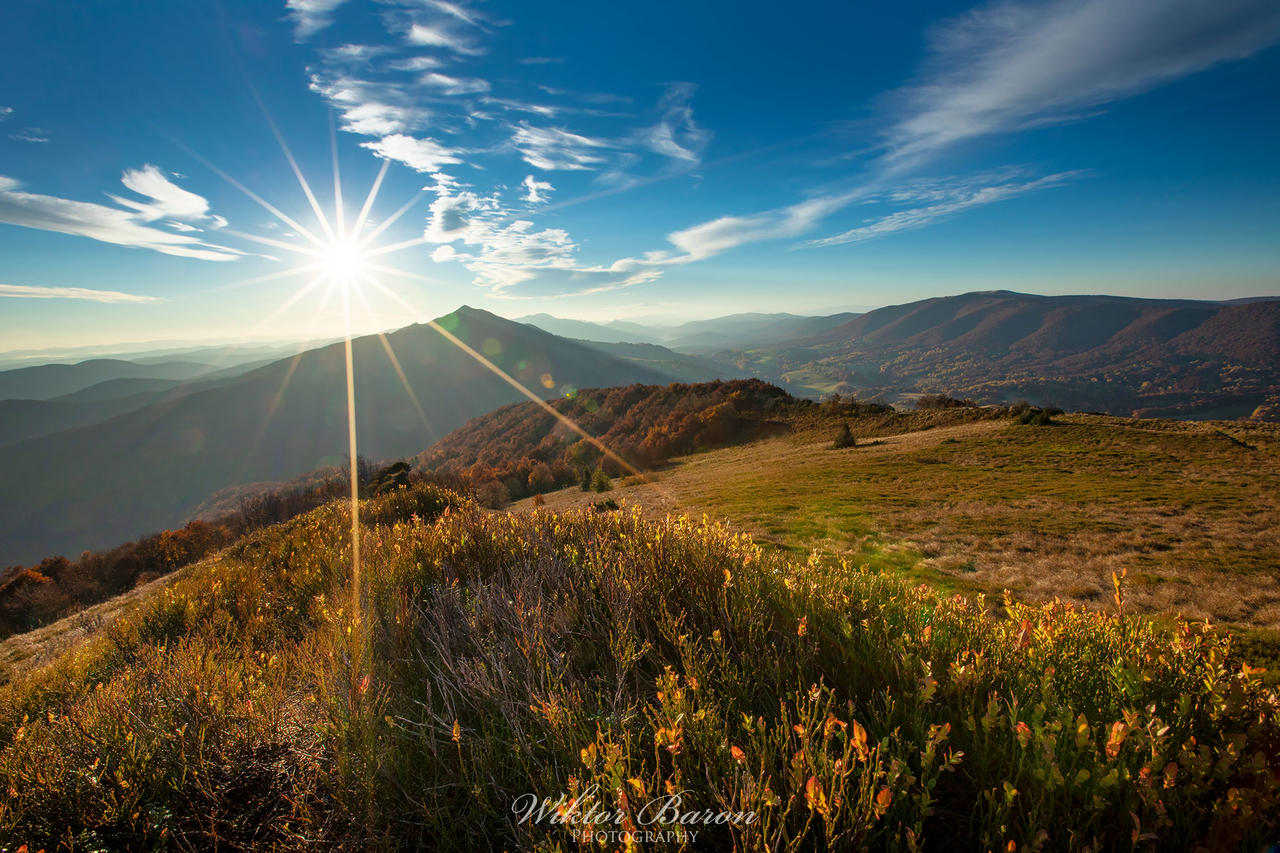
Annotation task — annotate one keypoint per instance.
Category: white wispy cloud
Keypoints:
(1002, 68)
(168, 200)
(24, 291)
(6, 113)
(944, 200)
(31, 134)
(729, 232)
(456, 10)
(311, 16)
(509, 255)
(554, 148)
(439, 35)
(454, 85)
(99, 222)
(677, 135)
(354, 54)
(371, 108)
(1010, 66)
(421, 155)
(544, 110)
(417, 63)
(535, 191)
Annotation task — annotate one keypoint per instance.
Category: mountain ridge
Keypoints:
(146, 469)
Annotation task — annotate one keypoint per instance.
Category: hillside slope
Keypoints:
(147, 469)
(263, 700)
(530, 450)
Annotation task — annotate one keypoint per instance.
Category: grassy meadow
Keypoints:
(264, 700)
(973, 501)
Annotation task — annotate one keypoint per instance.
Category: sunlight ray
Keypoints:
(517, 385)
(278, 399)
(291, 301)
(263, 203)
(383, 268)
(404, 380)
(357, 583)
(338, 214)
(297, 171)
(271, 241)
(369, 199)
(393, 218)
(261, 279)
(397, 247)
(395, 362)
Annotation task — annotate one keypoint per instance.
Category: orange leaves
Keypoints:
(738, 755)
(816, 797)
(803, 627)
(1023, 732)
(858, 735)
(669, 738)
(1119, 731)
(1024, 634)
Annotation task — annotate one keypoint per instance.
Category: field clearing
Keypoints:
(1189, 510)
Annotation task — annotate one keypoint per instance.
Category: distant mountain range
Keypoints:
(46, 381)
(106, 450)
(1150, 357)
(145, 469)
(734, 331)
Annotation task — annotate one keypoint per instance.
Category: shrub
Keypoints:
(600, 481)
(492, 494)
(1035, 417)
(389, 479)
(943, 401)
(844, 438)
(424, 501)
(540, 478)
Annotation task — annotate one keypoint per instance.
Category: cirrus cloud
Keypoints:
(102, 223)
(1011, 66)
(24, 291)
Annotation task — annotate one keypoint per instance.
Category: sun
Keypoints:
(343, 261)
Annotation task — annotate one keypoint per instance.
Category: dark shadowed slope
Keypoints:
(148, 469)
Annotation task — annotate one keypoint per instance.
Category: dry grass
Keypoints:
(40, 646)
(1188, 510)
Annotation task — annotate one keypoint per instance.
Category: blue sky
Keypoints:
(604, 160)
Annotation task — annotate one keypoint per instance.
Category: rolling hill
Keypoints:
(1119, 355)
(46, 381)
(147, 469)
(530, 450)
